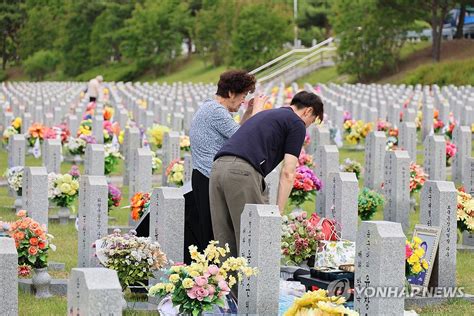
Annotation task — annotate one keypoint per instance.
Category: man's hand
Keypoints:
(287, 176)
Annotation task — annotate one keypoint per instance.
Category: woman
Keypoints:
(211, 127)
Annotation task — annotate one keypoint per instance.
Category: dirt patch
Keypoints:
(450, 50)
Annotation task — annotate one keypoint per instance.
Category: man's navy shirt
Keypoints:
(265, 138)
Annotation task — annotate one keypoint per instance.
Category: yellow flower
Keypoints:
(413, 259)
(424, 263)
(188, 283)
(174, 278)
(232, 281)
(75, 185)
(417, 240)
(169, 287)
(16, 123)
(65, 188)
(420, 252)
(67, 178)
(194, 273)
(416, 268)
(175, 269)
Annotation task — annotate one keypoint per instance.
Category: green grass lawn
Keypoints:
(66, 242)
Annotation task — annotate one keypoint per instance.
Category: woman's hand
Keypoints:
(257, 103)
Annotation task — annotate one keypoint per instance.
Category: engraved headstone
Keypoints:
(397, 187)
(98, 128)
(52, 155)
(8, 277)
(435, 157)
(407, 139)
(35, 193)
(462, 138)
(16, 154)
(379, 245)
(326, 161)
(438, 207)
(374, 157)
(94, 160)
(94, 291)
(132, 141)
(342, 190)
(260, 244)
(92, 217)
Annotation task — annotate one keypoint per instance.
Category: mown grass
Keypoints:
(66, 242)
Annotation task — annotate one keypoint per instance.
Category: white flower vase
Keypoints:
(41, 281)
(63, 215)
(77, 159)
(18, 204)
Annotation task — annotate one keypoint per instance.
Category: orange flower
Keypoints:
(38, 231)
(23, 225)
(136, 199)
(43, 236)
(19, 236)
(135, 213)
(435, 114)
(21, 213)
(34, 226)
(36, 130)
(41, 245)
(33, 251)
(34, 241)
(107, 113)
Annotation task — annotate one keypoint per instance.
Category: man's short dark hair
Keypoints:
(304, 99)
(235, 81)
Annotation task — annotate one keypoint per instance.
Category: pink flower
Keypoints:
(197, 292)
(211, 290)
(213, 269)
(223, 286)
(200, 280)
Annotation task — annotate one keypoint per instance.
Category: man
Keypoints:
(93, 88)
(211, 127)
(257, 147)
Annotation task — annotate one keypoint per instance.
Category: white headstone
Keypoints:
(8, 277)
(35, 193)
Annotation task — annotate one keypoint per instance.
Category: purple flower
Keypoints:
(74, 172)
(89, 139)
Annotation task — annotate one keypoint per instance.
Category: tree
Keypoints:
(40, 64)
(213, 29)
(370, 36)
(105, 34)
(259, 35)
(11, 18)
(460, 24)
(40, 29)
(152, 36)
(76, 34)
(313, 21)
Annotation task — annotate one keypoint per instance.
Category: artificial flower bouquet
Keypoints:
(156, 134)
(108, 112)
(32, 243)
(199, 287)
(63, 189)
(134, 258)
(185, 143)
(350, 165)
(115, 196)
(414, 257)
(438, 125)
(75, 172)
(451, 150)
(305, 186)
(450, 129)
(383, 126)
(110, 129)
(299, 238)
(465, 212)
(175, 172)
(112, 156)
(417, 178)
(139, 204)
(85, 127)
(305, 159)
(14, 128)
(318, 303)
(356, 131)
(38, 133)
(367, 203)
(76, 146)
(14, 177)
(156, 163)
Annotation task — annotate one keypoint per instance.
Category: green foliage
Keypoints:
(76, 35)
(313, 21)
(105, 35)
(40, 30)
(368, 202)
(3, 75)
(259, 35)
(213, 29)
(459, 72)
(11, 19)
(370, 38)
(150, 35)
(40, 64)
